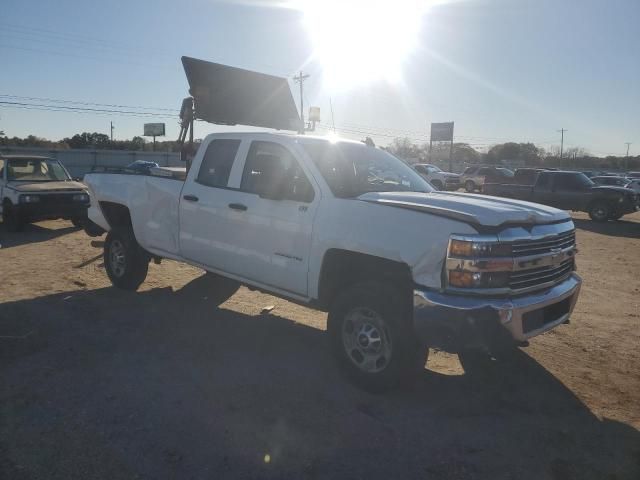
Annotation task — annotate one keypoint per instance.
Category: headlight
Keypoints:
(464, 248)
(81, 197)
(29, 198)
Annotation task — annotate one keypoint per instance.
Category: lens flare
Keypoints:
(360, 41)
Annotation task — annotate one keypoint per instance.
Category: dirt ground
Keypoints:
(165, 383)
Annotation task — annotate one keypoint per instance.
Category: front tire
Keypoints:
(372, 337)
(11, 219)
(125, 261)
(78, 222)
(470, 186)
(600, 212)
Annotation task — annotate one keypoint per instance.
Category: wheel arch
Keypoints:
(344, 267)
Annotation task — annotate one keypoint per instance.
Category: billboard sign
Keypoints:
(442, 132)
(154, 129)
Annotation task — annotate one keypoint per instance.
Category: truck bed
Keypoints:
(152, 200)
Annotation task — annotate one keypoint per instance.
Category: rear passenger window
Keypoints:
(217, 162)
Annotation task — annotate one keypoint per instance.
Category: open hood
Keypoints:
(233, 96)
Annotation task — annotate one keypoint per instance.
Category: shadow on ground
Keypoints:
(166, 384)
(619, 228)
(32, 233)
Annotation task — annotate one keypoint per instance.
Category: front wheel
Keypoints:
(372, 337)
(470, 186)
(599, 212)
(125, 261)
(11, 219)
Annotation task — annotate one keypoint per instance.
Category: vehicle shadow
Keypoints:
(32, 233)
(619, 228)
(168, 384)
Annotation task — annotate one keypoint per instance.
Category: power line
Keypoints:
(78, 102)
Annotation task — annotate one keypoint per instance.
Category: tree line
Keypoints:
(527, 154)
(89, 140)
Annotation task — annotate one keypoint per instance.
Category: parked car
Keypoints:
(473, 178)
(36, 188)
(141, 166)
(611, 181)
(352, 230)
(572, 191)
(439, 179)
(634, 184)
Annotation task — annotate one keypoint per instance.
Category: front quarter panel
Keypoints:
(417, 239)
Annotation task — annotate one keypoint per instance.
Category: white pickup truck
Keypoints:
(350, 229)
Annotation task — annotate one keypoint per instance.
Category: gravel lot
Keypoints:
(166, 383)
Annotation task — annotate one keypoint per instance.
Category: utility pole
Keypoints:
(626, 158)
(112, 127)
(562, 130)
(300, 79)
(333, 123)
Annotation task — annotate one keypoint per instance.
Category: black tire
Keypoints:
(125, 261)
(78, 222)
(470, 186)
(616, 216)
(11, 219)
(371, 317)
(600, 211)
(437, 184)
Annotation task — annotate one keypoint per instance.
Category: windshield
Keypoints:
(36, 170)
(352, 169)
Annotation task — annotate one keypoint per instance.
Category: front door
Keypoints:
(272, 214)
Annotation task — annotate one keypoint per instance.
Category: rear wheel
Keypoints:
(125, 261)
(372, 337)
(11, 219)
(600, 212)
(470, 186)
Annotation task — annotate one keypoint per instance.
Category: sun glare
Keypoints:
(359, 41)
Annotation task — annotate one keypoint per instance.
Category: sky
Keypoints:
(502, 70)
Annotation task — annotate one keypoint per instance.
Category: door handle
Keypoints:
(190, 198)
(238, 206)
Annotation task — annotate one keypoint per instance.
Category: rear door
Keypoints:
(273, 232)
(206, 233)
(566, 193)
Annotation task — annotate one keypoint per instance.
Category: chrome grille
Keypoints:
(544, 245)
(539, 276)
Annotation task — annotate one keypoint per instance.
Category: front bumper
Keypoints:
(44, 210)
(468, 320)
